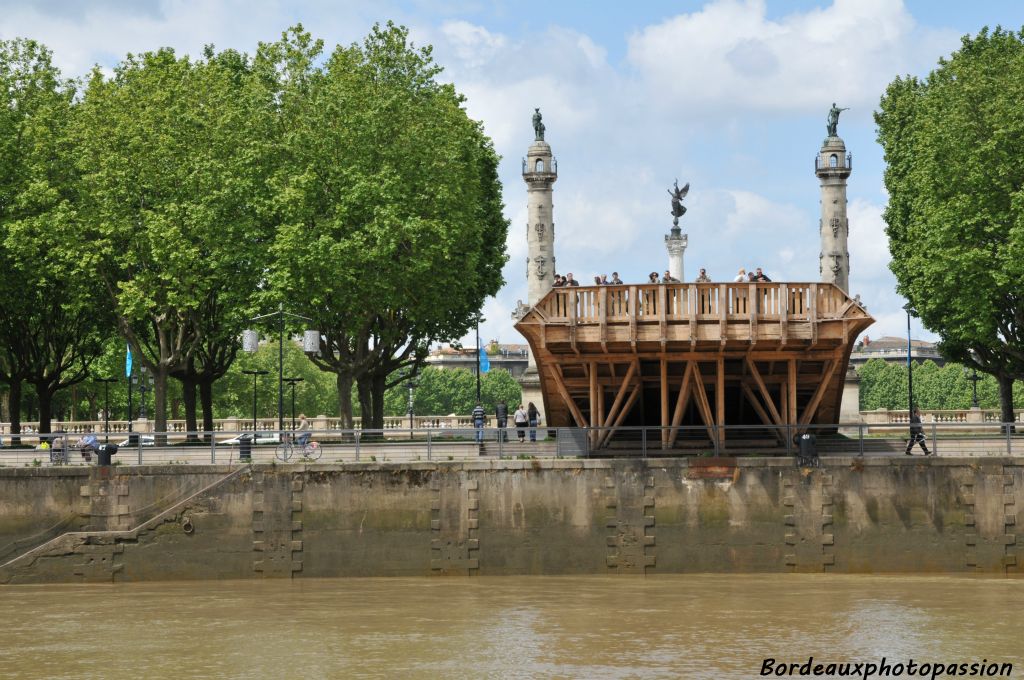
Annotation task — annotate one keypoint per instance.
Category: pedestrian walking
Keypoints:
(521, 420)
(533, 417)
(917, 433)
(478, 422)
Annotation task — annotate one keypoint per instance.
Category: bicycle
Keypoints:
(308, 450)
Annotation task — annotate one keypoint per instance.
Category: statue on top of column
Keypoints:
(833, 119)
(678, 209)
(538, 126)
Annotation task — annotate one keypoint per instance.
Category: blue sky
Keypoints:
(729, 95)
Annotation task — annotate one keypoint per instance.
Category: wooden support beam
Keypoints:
(720, 398)
(784, 400)
(765, 418)
(607, 434)
(812, 406)
(556, 375)
(681, 401)
(662, 316)
(613, 412)
(664, 402)
(776, 417)
(791, 383)
(702, 402)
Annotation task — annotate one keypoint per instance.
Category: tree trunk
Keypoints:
(188, 392)
(14, 404)
(365, 405)
(206, 400)
(45, 407)
(160, 404)
(74, 402)
(1006, 399)
(344, 382)
(377, 398)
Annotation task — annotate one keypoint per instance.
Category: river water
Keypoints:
(703, 626)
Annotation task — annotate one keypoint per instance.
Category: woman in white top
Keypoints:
(742, 276)
(521, 421)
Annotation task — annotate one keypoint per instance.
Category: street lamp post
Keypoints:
(250, 346)
(255, 374)
(144, 381)
(910, 357)
(478, 358)
(293, 382)
(106, 406)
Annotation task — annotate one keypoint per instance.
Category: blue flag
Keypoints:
(128, 363)
(485, 363)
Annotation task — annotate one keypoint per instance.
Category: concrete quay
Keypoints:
(511, 517)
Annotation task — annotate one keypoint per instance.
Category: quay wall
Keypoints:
(511, 517)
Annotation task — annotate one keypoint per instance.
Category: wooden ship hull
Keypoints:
(707, 355)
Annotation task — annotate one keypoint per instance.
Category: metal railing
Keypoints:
(450, 444)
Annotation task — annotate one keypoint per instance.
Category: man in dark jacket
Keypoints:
(501, 414)
(917, 433)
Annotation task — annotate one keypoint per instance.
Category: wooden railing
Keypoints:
(698, 301)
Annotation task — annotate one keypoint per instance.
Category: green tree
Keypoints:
(442, 392)
(392, 233)
(175, 155)
(51, 321)
(954, 148)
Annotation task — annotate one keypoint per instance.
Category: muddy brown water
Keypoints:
(695, 626)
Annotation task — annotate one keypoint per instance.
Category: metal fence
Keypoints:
(449, 444)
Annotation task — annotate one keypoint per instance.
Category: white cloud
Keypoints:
(729, 57)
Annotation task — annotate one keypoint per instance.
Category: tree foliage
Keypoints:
(954, 147)
(392, 230)
(884, 385)
(443, 392)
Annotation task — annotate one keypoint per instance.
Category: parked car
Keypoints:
(262, 439)
(147, 440)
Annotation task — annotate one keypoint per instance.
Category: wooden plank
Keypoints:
(664, 402)
(759, 381)
(556, 375)
(662, 319)
(603, 310)
(754, 303)
(723, 312)
(814, 314)
(791, 383)
(812, 406)
(720, 397)
(631, 304)
(691, 310)
(784, 400)
(783, 313)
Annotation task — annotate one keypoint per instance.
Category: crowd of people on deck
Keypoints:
(742, 276)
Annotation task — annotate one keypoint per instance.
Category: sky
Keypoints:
(728, 95)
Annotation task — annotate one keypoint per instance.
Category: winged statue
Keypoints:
(677, 194)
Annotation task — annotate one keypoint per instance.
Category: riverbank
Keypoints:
(511, 517)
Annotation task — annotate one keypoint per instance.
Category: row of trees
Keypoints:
(954, 148)
(884, 385)
(170, 202)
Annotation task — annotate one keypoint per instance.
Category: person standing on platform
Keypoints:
(917, 433)
(501, 415)
(533, 415)
(521, 420)
(703, 276)
(478, 422)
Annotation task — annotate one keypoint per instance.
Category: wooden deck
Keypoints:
(711, 353)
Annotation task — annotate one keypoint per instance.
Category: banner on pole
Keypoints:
(128, 363)
(485, 362)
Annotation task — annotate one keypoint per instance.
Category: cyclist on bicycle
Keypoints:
(304, 430)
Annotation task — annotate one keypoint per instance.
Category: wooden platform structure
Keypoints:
(709, 354)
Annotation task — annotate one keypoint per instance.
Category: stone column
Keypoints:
(675, 244)
(833, 166)
(540, 170)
